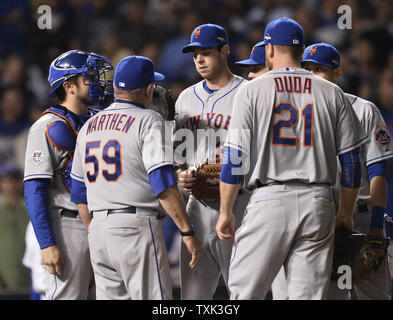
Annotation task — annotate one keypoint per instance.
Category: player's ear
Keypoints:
(149, 90)
(225, 50)
(269, 50)
(68, 87)
(338, 72)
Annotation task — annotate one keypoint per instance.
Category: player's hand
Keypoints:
(225, 226)
(186, 180)
(52, 260)
(194, 249)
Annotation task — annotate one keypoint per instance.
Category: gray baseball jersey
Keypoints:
(211, 113)
(44, 160)
(207, 116)
(115, 152)
(310, 122)
(379, 145)
(48, 158)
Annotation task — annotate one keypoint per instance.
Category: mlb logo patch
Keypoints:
(295, 41)
(38, 156)
(382, 136)
(122, 84)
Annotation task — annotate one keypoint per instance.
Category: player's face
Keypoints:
(208, 61)
(324, 72)
(256, 71)
(82, 91)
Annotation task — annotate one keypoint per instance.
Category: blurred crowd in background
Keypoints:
(158, 29)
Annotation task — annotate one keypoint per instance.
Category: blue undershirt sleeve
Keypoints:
(162, 178)
(231, 163)
(78, 192)
(36, 197)
(350, 169)
(377, 169)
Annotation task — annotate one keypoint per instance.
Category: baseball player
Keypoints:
(257, 67)
(290, 124)
(256, 63)
(77, 79)
(206, 108)
(324, 60)
(122, 172)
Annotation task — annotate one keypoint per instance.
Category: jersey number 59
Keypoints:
(111, 155)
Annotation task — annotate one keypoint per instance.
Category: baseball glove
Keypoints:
(207, 185)
(358, 251)
(163, 103)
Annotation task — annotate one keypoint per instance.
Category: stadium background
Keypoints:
(158, 29)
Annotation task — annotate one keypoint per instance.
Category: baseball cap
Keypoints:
(134, 72)
(207, 36)
(257, 57)
(284, 32)
(323, 54)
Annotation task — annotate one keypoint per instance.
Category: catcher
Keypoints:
(205, 110)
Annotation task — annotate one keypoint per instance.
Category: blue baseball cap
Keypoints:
(284, 32)
(257, 57)
(323, 54)
(134, 72)
(207, 36)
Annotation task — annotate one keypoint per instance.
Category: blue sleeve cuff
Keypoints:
(231, 163)
(78, 192)
(350, 169)
(377, 169)
(36, 197)
(162, 178)
(377, 217)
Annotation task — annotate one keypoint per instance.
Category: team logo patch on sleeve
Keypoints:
(381, 135)
(38, 156)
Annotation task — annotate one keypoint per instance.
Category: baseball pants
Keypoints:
(76, 282)
(200, 283)
(378, 286)
(290, 225)
(129, 256)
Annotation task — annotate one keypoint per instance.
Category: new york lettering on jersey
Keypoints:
(198, 109)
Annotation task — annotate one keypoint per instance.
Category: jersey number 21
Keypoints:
(307, 116)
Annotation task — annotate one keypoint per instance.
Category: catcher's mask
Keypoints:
(93, 68)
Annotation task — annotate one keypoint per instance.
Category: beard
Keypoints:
(85, 100)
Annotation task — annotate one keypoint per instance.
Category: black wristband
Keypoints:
(187, 233)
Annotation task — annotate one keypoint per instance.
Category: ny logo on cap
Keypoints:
(197, 33)
(313, 50)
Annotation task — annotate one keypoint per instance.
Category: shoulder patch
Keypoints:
(381, 135)
(61, 136)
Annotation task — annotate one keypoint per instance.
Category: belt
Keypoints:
(259, 184)
(69, 213)
(131, 210)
